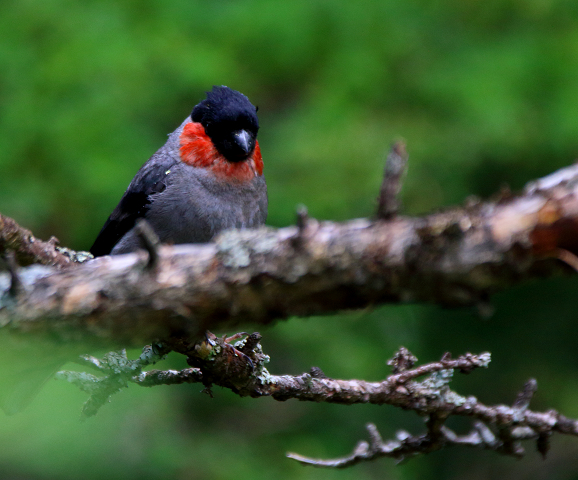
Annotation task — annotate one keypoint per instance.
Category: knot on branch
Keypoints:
(231, 365)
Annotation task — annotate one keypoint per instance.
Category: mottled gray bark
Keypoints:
(454, 258)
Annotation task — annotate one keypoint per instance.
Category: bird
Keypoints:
(206, 178)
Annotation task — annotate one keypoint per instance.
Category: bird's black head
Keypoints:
(230, 120)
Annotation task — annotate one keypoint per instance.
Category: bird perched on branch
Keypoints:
(207, 177)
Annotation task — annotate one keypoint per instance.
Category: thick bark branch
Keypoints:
(453, 258)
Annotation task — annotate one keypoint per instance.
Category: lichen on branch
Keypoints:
(424, 389)
(458, 257)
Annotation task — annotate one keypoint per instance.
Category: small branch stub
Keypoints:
(302, 219)
(394, 172)
(16, 285)
(150, 242)
(523, 399)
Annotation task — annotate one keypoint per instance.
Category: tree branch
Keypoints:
(241, 368)
(29, 249)
(454, 258)
(174, 293)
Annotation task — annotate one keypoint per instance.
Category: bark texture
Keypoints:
(29, 249)
(458, 257)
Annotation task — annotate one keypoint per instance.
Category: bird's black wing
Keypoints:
(133, 204)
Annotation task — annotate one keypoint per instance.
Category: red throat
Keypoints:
(198, 150)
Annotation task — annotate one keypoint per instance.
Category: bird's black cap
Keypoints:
(230, 120)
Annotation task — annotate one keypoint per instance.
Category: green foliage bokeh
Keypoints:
(484, 93)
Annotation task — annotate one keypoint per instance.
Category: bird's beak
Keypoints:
(244, 140)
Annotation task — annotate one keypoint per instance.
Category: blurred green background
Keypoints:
(485, 94)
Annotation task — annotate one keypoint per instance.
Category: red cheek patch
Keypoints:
(197, 150)
(257, 159)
